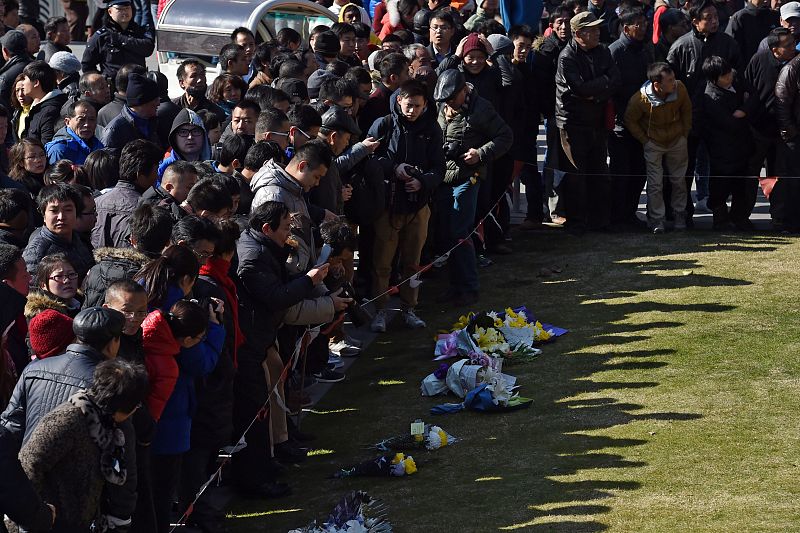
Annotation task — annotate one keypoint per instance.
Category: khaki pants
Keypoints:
(273, 366)
(403, 232)
(675, 158)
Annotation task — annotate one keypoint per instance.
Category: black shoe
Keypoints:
(329, 376)
(269, 490)
(500, 249)
(484, 261)
(286, 453)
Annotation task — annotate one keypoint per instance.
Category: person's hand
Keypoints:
(413, 185)
(401, 171)
(460, 48)
(318, 274)
(471, 157)
(339, 303)
(347, 192)
(219, 305)
(330, 215)
(739, 114)
(371, 144)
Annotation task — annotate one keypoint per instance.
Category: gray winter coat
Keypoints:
(114, 210)
(44, 242)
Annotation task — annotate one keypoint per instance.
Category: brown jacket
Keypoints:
(649, 118)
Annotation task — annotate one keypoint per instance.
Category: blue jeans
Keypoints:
(457, 207)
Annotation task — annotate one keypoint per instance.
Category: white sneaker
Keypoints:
(412, 320)
(352, 341)
(344, 349)
(378, 324)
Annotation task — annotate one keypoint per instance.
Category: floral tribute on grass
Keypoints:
(432, 438)
(357, 512)
(396, 465)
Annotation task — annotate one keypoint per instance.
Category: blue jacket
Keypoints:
(67, 145)
(175, 425)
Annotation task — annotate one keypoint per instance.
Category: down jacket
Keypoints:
(268, 296)
(273, 184)
(161, 349)
(477, 125)
(44, 242)
(114, 211)
(113, 264)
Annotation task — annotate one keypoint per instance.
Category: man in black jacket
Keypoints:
(761, 75)
(546, 61)
(112, 109)
(412, 158)
(749, 25)
(586, 79)
(44, 116)
(15, 53)
(787, 99)
(632, 54)
(686, 58)
(46, 383)
(121, 40)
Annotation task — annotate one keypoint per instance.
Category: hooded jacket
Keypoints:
(201, 103)
(67, 145)
(44, 118)
(663, 121)
(160, 349)
(185, 116)
(391, 22)
(273, 183)
(38, 301)
(585, 80)
(480, 16)
(749, 25)
(44, 242)
(113, 264)
(419, 144)
(476, 125)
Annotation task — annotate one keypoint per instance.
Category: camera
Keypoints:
(205, 301)
(358, 316)
(453, 150)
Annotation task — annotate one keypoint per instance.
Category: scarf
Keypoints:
(217, 268)
(108, 437)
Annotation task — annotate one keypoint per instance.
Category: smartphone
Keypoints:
(324, 254)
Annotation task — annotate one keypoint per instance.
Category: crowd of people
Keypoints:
(162, 257)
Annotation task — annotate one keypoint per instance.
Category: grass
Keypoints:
(670, 406)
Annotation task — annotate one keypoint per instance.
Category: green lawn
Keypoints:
(670, 406)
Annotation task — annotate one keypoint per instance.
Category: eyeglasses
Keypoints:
(62, 278)
(135, 315)
(185, 134)
(306, 135)
(201, 255)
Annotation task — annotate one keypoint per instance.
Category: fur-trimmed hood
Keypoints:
(393, 9)
(39, 301)
(120, 254)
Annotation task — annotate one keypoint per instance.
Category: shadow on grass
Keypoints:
(542, 469)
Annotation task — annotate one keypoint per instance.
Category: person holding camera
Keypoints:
(474, 135)
(412, 158)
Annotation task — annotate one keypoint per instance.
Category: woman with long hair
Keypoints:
(226, 91)
(27, 161)
(169, 277)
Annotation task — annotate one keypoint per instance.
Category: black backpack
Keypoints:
(369, 192)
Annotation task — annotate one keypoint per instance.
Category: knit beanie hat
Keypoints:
(50, 333)
(140, 90)
(474, 43)
(327, 44)
(65, 62)
(501, 43)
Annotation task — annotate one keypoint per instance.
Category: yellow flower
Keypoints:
(443, 436)
(463, 321)
(397, 458)
(418, 438)
(410, 466)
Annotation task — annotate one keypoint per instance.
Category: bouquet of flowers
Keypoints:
(356, 513)
(386, 465)
(433, 438)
